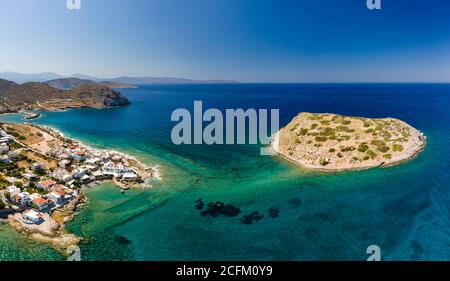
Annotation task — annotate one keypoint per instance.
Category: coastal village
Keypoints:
(42, 174)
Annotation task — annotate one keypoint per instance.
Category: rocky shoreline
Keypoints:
(55, 235)
(53, 149)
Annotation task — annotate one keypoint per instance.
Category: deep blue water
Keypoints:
(403, 209)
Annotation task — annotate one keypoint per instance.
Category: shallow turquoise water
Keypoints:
(403, 209)
(16, 247)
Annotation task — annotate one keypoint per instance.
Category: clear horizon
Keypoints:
(253, 41)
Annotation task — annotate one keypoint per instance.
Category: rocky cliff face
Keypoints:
(33, 95)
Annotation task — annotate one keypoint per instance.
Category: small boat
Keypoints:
(31, 115)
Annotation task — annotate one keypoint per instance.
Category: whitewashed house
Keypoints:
(32, 217)
(3, 147)
(29, 176)
(5, 159)
(13, 154)
(22, 198)
(129, 177)
(6, 139)
(57, 197)
(37, 166)
(41, 204)
(46, 184)
(65, 163)
(78, 173)
(12, 191)
(86, 179)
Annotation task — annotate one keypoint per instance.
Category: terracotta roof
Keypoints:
(60, 192)
(39, 201)
(48, 182)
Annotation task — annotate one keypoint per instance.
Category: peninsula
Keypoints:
(35, 95)
(334, 142)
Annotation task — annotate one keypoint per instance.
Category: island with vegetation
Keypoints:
(43, 175)
(334, 142)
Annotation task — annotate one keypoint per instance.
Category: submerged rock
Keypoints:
(254, 216)
(274, 212)
(295, 202)
(217, 208)
(200, 204)
(122, 240)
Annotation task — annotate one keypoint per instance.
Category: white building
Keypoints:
(92, 161)
(5, 159)
(6, 139)
(32, 217)
(11, 180)
(63, 156)
(129, 177)
(22, 198)
(67, 193)
(13, 154)
(57, 197)
(29, 176)
(12, 191)
(78, 173)
(41, 203)
(65, 163)
(3, 147)
(91, 168)
(47, 184)
(116, 170)
(61, 175)
(99, 175)
(86, 179)
(37, 166)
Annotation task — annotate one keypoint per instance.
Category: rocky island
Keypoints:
(334, 142)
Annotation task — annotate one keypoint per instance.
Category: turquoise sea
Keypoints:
(403, 209)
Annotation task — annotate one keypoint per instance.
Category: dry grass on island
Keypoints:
(334, 142)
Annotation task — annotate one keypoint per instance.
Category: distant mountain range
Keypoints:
(34, 77)
(47, 76)
(72, 83)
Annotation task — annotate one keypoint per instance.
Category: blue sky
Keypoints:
(245, 40)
